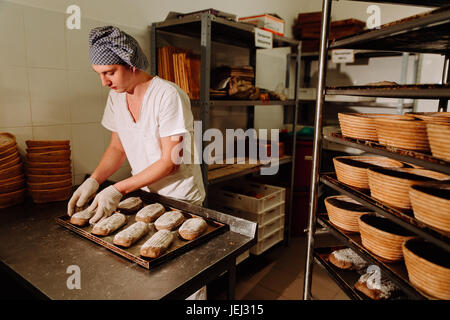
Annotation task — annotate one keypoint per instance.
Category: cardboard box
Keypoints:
(266, 22)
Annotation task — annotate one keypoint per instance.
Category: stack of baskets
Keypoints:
(12, 179)
(49, 174)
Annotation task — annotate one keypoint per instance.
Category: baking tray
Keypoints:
(178, 247)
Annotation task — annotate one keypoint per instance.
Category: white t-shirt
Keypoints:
(165, 111)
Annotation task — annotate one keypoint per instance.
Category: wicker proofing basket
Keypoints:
(7, 140)
(58, 164)
(12, 198)
(46, 143)
(431, 204)
(48, 148)
(48, 178)
(11, 172)
(392, 185)
(51, 156)
(352, 170)
(383, 237)
(51, 195)
(8, 152)
(428, 267)
(12, 162)
(49, 185)
(431, 116)
(344, 212)
(439, 139)
(11, 185)
(49, 171)
(403, 133)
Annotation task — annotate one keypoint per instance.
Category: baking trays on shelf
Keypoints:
(421, 159)
(406, 220)
(411, 91)
(396, 271)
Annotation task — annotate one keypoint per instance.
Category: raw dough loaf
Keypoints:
(130, 205)
(81, 218)
(347, 259)
(130, 235)
(157, 244)
(192, 228)
(109, 225)
(150, 213)
(375, 286)
(169, 220)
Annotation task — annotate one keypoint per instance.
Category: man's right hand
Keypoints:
(82, 195)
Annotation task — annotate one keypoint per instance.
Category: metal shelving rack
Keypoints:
(210, 28)
(395, 37)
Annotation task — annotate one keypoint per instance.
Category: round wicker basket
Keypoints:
(12, 185)
(12, 198)
(383, 237)
(344, 212)
(8, 152)
(438, 136)
(12, 161)
(352, 170)
(31, 178)
(431, 116)
(46, 143)
(431, 204)
(7, 141)
(48, 148)
(404, 133)
(391, 185)
(11, 172)
(49, 171)
(49, 185)
(57, 164)
(428, 267)
(50, 195)
(51, 156)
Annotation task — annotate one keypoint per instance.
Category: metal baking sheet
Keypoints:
(178, 247)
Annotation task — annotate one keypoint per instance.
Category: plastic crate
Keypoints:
(270, 227)
(268, 242)
(261, 218)
(272, 196)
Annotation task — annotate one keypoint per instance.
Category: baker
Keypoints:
(148, 117)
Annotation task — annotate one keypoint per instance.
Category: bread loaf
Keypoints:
(130, 235)
(375, 286)
(192, 228)
(150, 213)
(157, 244)
(109, 225)
(169, 220)
(82, 217)
(130, 205)
(347, 259)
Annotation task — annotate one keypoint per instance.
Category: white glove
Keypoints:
(105, 203)
(82, 195)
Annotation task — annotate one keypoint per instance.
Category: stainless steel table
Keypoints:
(38, 252)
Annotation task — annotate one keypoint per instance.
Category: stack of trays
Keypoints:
(344, 212)
(391, 185)
(49, 170)
(362, 125)
(383, 237)
(405, 133)
(428, 267)
(431, 204)
(438, 137)
(12, 179)
(352, 170)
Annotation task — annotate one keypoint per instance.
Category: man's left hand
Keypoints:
(105, 203)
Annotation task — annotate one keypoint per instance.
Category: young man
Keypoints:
(148, 117)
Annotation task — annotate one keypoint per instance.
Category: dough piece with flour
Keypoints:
(130, 235)
(130, 205)
(192, 228)
(169, 220)
(157, 244)
(375, 286)
(81, 218)
(150, 213)
(109, 225)
(347, 259)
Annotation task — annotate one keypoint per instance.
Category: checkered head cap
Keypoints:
(109, 45)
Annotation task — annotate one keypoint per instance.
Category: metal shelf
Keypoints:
(401, 91)
(396, 271)
(424, 3)
(405, 220)
(224, 103)
(222, 30)
(425, 33)
(345, 279)
(424, 160)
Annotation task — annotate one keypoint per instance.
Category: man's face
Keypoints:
(115, 76)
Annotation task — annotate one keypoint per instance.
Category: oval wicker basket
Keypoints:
(57, 164)
(439, 139)
(9, 158)
(11, 172)
(12, 185)
(48, 148)
(12, 162)
(8, 151)
(344, 212)
(431, 204)
(46, 143)
(31, 178)
(50, 195)
(383, 237)
(49, 171)
(391, 185)
(49, 185)
(404, 133)
(7, 141)
(428, 267)
(51, 156)
(431, 116)
(12, 198)
(352, 170)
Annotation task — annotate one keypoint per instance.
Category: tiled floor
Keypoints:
(277, 274)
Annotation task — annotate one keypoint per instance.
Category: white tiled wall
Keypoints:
(48, 90)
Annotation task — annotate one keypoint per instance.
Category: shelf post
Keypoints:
(205, 44)
(445, 79)
(323, 59)
(153, 50)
